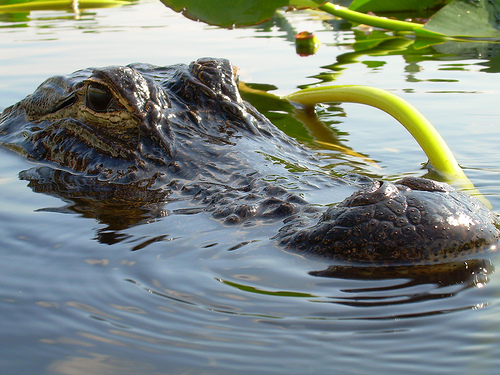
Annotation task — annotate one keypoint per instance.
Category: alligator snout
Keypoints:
(414, 220)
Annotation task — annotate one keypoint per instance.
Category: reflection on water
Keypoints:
(411, 284)
(445, 280)
(23, 13)
(117, 206)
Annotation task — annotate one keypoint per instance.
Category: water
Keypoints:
(84, 290)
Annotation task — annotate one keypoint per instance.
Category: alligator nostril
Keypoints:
(376, 192)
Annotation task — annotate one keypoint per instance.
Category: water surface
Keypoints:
(85, 290)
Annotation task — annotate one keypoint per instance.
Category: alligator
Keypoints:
(140, 134)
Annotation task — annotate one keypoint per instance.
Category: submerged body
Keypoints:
(137, 134)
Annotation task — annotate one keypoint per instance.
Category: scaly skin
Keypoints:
(414, 221)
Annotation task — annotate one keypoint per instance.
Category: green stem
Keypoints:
(366, 19)
(441, 158)
(58, 5)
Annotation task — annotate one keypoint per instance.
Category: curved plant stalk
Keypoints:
(366, 19)
(441, 158)
(58, 5)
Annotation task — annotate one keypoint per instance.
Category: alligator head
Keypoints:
(140, 132)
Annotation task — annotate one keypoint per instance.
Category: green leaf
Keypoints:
(231, 13)
(226, 13)
(467, 18)
(396, 6)
(235, 13)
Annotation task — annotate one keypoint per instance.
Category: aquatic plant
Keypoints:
(458, 18)
(441, 159)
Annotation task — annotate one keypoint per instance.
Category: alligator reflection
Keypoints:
(403, 288)
(463, 274)
(117, 206)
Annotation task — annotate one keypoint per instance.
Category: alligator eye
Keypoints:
(99, 98)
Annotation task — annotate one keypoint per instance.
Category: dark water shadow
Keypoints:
(444, 280)
(117, 206)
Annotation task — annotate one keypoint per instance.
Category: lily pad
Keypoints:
(227, 13)
(467, 18)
